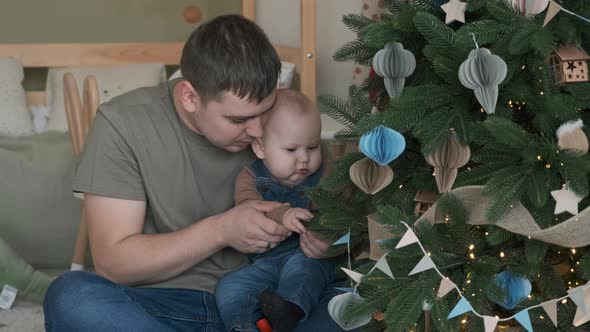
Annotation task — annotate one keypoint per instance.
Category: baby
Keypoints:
(281, 284)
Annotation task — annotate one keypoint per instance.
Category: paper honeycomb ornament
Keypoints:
(571, 137)
(337, 309)
(569, 64)
(482, 72)
(515, 289)
(446, 160)
(529, 7)
(382, 145)
(369, 176)
(394, 64)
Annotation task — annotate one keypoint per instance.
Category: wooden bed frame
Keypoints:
(88, 54)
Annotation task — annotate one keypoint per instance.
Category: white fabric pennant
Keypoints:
(408, 238)
(424, 264)
(581, 318)
(446, 285)
(577, 295)
(353, 275)
(551, 310)
(490, 323)
(554, 8)
(383, 266)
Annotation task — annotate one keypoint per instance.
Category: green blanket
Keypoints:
(39, 217)
(16, 272)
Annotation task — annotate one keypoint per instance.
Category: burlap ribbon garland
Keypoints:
(572, 233)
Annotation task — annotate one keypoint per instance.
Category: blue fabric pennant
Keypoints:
(342, 240)
(462, 307)
(344, 289)
(524, 319)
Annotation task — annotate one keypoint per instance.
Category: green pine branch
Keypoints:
(356, 22)
(355, 51)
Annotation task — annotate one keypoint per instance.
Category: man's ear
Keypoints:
(258, 148)
(189, 97)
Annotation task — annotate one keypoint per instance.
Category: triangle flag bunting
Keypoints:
(581, 318)
(424, 264)
(524, 319)
(462, 307)
(490, 323)
(408, 238)
(446, 285)
(554, 8)
(342, 240)
(353, 275)
(550, 308)
(383, 266)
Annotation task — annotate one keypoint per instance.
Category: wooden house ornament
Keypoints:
(569, 64)
(424, 200)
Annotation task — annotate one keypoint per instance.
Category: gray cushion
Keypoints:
(39, 217)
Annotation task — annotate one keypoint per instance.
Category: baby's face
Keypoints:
(292, 146)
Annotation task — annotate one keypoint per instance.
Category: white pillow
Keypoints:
(175, 75)
(14, 115)
(112, 81)
(287, 73)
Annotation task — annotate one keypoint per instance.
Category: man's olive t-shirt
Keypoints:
(139, 149)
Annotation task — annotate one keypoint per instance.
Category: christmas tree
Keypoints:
(478, 108)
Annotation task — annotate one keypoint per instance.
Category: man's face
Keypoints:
(231, 122)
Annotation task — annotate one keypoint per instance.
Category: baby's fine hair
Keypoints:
(293, 101)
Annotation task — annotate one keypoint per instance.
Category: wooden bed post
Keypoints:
(308, 49)
(80, 114)
(249, 9)
(305, 64)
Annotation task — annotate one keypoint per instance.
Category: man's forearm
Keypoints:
(149, 258)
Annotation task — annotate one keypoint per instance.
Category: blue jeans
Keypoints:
(83, 301)
(288, 272)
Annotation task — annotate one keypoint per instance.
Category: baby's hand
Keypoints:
(293, 217)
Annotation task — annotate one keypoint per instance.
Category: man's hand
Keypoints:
(246, 228)
(292, 219)
(314, 247)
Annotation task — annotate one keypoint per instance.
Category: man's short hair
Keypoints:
(230, 53)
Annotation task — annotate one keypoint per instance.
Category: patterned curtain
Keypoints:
(373, 10)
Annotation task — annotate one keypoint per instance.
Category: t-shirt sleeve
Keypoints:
(108, 166)
(245, 190)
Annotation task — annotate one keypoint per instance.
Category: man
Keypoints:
(157, 171)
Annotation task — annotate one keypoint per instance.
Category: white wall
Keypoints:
(280, 20)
